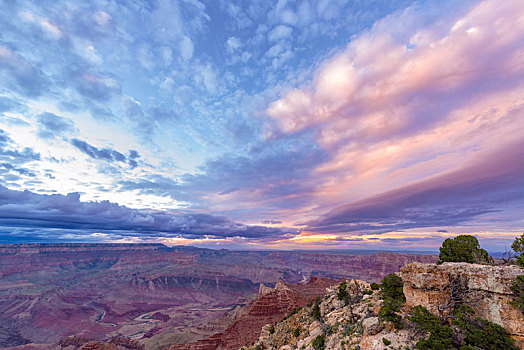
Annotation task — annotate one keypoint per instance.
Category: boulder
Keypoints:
(372, 325)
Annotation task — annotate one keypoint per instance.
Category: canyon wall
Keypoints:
(485, 288)
(271, 305)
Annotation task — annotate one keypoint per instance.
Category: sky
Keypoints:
(327, 124)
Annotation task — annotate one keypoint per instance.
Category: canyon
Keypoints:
(159, 295)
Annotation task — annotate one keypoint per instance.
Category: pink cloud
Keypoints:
(378, 71)
(405, 102)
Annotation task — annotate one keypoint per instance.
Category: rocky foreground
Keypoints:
(333, 323)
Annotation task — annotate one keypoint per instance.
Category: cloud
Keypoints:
(417, 97)
(271, 177)
(271, 222)
(96, 87)
(401, 62)
(107, 154)
(7, 104)
(233, 44)
(51, 125)
(280, 32)
(186, 48)
(68, 213)
(144, 124)
(449, 199)
(12, 154)
(20, 75)
(154, 184)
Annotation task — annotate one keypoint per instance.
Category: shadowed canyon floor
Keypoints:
(152, 293)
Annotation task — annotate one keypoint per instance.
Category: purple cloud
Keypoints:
(452, 198)
(58, 214)
(107, 154)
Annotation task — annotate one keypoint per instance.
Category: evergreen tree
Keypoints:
(463, 248)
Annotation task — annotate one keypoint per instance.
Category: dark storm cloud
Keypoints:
(449, 199)
(107, 154)
(47, 212)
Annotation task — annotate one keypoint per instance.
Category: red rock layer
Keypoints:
(270, 306)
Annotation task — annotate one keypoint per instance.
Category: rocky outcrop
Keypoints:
(270, 306)
(355, 323)
(80, 343)
(485, 288)
(341, 326)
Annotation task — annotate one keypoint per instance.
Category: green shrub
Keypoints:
(439, 339)
(440, 336)
(316, 311)
(518, 291)
(359, 328)
(480, 333)
(386, 341)
(423, 319)
(518, 285)
(477, 333)
(296, 332)
(518, 248)
(392, 288)
(375, 286)
(389, 312)
(346, 329)
(319, 342)
(393, 295)
(463, 248)
(272, 330)
(342, 293)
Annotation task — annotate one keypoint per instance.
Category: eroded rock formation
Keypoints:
(485, 288)
(270, 306)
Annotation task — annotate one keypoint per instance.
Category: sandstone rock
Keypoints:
(263, 290)
(376, 308)
(485, 288)
(372, 325)
(315, 329)
(402, 339)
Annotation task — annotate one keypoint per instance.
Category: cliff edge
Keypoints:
(485, 288)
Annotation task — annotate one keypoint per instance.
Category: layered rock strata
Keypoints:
(270, 306)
